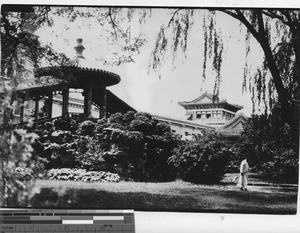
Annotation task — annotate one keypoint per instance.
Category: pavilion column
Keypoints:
(103, 100)
(22, 110)
(65, 102)
(50, 104)
(36, 109)
(5, 117)
(88, 100)
(8, 113)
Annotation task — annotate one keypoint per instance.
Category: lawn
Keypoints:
(171, 196)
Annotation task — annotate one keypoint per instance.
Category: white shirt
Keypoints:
(244, 166)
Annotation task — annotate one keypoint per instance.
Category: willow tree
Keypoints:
(277, 32)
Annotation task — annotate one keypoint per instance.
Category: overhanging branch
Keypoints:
(240, 17)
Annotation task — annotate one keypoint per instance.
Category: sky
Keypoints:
(144, 90)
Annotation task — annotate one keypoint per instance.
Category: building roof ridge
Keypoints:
(233, 120)
(182, 121)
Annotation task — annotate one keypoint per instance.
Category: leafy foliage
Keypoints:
(201, 161)
(143, 143)
(21, 50)
(86, 128)
(20, 166)
(81, 175)
(65, 123)
(135, 145)
(271, 146)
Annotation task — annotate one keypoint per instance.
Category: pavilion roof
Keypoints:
(76, 76)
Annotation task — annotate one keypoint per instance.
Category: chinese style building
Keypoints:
(210, 111)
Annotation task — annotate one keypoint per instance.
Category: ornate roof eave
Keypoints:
(66, 71)
(230, 133)
(220, 103)
(188, 103)
(209, 96)
(234, 120)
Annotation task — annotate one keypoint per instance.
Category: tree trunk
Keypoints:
(283, 95)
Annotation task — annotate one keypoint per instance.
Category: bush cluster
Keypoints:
(139, 146)
(201, 161)
(81, 175)
(135, 145)
(271, 146)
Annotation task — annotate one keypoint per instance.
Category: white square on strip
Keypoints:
(77, 221)
(111, 218)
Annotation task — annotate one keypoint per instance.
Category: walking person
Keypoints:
(244, 170)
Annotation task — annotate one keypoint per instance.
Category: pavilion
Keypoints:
(60, 79)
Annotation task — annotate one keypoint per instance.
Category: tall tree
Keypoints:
(282, 55)
(276, 31)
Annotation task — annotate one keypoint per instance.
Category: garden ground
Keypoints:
(168, 196)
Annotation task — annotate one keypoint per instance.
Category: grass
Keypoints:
(171, 196)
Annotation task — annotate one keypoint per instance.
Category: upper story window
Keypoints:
(198, 115)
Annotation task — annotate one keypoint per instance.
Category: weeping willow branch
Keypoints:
(173, 16)
(273, 15)
(114, 25)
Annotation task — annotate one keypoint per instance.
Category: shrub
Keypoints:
(89, 154)
(133, 144)
(60, 136)
(99, 126)
(272, 146)
(116, 118)
(283, 168)
(65, 124)
(141, 124)
(81, 175)
(128, 116)
(59, 156)
(86, 128)
(199, 162)
(143, 146)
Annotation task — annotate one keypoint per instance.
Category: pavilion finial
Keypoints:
(79, 49)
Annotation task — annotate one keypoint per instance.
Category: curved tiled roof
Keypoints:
(233, 127)
(240, 117)
(61, 72)
(213, 100)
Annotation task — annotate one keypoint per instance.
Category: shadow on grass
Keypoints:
(89, 198)
(204, 200)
